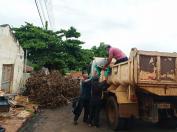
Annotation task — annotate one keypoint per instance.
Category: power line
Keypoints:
(39, 13)
(50, 22)
(50, 9)
(43, 13)
(44, 8)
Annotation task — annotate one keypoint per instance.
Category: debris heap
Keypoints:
(53, 90)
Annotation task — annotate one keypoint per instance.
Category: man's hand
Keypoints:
(107, 64)
(102, 72)
(104, 68)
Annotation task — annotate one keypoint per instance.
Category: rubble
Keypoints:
(52, 90)
(14, 119)
(24, 114)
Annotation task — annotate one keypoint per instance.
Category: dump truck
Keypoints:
(144, 87)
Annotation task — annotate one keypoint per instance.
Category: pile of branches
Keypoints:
(52, 90)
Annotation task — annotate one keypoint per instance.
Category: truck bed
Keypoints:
(151, 71)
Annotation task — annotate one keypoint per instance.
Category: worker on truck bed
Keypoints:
(114, 53)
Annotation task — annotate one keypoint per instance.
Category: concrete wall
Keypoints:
(11, 53)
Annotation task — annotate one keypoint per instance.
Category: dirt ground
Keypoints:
(61, 120)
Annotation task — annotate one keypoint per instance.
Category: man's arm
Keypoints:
(109, 61)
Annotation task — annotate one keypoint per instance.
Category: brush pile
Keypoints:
(53, 90)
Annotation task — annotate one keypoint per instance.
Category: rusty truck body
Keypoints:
(144, 87)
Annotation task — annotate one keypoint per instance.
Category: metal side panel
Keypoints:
(147, 68)
(167, 69)
(157, 69)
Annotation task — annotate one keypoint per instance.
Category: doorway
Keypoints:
(7, 77)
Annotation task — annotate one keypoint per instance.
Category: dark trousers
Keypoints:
(95, 107)
(82, 104)
(121, 60)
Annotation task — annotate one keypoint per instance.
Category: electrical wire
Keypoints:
(39, 13)
(42, 9)
(46, 6)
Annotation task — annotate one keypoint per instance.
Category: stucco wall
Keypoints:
(11, 53)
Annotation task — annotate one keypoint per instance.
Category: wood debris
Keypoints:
(53, 90)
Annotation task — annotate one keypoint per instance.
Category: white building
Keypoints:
(11, 61)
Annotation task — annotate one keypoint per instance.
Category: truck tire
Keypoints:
(112, 112)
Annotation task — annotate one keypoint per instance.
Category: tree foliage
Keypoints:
(54, 50)
(60, 50)
(100, 51)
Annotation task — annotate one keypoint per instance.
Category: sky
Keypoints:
(144, 24)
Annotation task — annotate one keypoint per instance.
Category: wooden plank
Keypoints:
(138, 67)
(176, 69)
(161, 91)
(135, 68)
(156, 53)
(131, 72)
(171, 91)
(158, 68)
(156, 82)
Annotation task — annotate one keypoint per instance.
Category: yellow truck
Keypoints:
(144, 87)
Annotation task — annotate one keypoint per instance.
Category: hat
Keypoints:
(107, 46)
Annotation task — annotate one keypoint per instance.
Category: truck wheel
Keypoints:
(112, 111)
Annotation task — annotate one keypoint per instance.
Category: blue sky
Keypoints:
(144, 24)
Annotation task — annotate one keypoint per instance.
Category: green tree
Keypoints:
(72, 46)
(87, 57)
(100, 51)
(54, 50)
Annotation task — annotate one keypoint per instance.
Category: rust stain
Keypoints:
(148, 67)
(167, 68)
(147, 75)
(147, 63)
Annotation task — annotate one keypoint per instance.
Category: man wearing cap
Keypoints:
(115, 53)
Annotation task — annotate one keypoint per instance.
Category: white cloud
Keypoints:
(145, 24)
(16, 12)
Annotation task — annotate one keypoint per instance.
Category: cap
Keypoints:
(107, 46)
